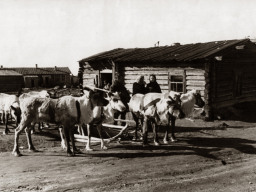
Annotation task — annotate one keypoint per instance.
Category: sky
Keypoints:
(62, 32)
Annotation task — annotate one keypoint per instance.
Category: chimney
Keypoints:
(55, 68)
(2, 67)
(36, 66)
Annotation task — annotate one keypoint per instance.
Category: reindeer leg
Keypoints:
(166, 135)
(2, 118)
(21, 127)
(71, 133)
(154, 127)
(83, 129)
(31, 147)
(6, 131)
(63, 144)
(66, 134)
(145, 132)
(40, 126)
(136, 128)
(99, 128)
(173, 138)
(88, 144)
(32, 129)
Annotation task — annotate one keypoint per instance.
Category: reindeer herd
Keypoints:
(93, 109)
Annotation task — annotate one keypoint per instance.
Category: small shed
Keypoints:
(223, 71)
(10, 81)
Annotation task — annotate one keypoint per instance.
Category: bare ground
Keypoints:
(209, 156)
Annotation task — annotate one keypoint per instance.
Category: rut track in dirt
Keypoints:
(208, 157)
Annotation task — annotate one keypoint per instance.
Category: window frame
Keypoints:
(180, 73)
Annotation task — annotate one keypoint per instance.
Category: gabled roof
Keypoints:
(41, 70)
(188, 52)
(6, 72)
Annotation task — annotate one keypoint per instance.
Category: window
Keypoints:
(176, 81)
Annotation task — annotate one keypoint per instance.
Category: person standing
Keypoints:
(119, 87)
(139, 86)
(153, 86)
(106, 85)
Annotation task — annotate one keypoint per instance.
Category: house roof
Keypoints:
(42, 70)
(6, 72)
(187, 52)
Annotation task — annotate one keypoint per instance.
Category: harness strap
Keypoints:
(151, 103)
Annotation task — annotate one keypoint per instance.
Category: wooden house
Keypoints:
(223, 71)
(44, 76)
(10, 81)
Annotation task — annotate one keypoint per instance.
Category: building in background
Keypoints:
(223, 71)
(44, 76)
(10, 81)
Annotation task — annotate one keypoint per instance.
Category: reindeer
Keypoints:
(40, 94)
(9, 104)
(101, 115)
(66, 111)
(184, 102)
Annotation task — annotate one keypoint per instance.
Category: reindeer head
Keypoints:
(115, 102)
(175, 96)
(97, 98)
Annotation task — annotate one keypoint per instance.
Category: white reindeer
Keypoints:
(9, 104)
(101, 115)
(40, 94)
(154, 108)
(66, 111)
(185, 102)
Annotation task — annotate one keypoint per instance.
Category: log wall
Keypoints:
(227, 85)
(194, 78)
(90, 76)
(131, 74)
(235, 79)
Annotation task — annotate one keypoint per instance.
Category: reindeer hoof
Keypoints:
(156, 143)
(63, 146)
(88, 149)
(16, 154)
(70, 154)
(104, 147)
(33, 150)
(6, 132)
(174, 140)
(165, 142)
(78, 151)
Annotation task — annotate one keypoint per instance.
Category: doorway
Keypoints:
(105, 75)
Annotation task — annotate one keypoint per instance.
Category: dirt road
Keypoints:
(209, 156)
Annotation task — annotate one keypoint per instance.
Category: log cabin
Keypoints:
(223, 71)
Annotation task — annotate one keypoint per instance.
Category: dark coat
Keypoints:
(138, 88)
(121, 89)
(153, 87)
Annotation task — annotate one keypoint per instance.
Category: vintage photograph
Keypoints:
(127, 95)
